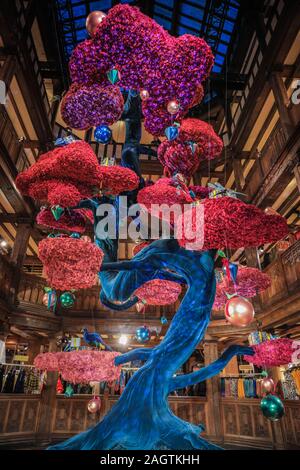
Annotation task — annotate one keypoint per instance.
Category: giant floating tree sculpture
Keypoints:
(130, 47)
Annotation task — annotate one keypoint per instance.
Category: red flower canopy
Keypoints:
(159, 292)
(117, 179)
(72, 220)
(70, 263)
(62, 176)
(250, 282)
(276, 352)
(230, 223)
(81, 366)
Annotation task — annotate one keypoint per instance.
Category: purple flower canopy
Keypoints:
(148, 58)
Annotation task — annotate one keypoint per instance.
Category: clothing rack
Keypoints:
(237, 376)
(17, 365)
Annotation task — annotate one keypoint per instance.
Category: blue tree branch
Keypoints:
(209, 371)
(140, 354)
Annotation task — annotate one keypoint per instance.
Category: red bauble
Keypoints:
(94, 405)
(239, 311)
(93, 21)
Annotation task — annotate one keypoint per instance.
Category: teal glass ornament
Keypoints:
(67, 299)
(272, 407)
(143, 334)
(57, 212)
(171, 132)
(113, 76)
(163, 320)
(69, 391)
(75, 235)
(102, 134)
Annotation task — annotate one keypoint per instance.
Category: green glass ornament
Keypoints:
(57, 212)
(69, 391)
(272, 407)
(113, 76)
(67, 299)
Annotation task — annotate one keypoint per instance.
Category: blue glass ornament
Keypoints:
(102, 134)
(143, 334)
(113, 76)
(233, 268)
(272, 407)
(69, 391)
(163, 320)
(171, 132)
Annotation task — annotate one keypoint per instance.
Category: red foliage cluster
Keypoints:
(164, 191)
(84, 106)
(250, 282)
(62, 176)
(276, 352)
(209, 144)
(139, 247)
(70, 263)
(72, 220)
(147, 57)
(159, 292)
(177, 156)
(201, 192)
(117, 179)
(81, 366)
(230, 223)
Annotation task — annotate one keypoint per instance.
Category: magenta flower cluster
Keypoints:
(148, 58)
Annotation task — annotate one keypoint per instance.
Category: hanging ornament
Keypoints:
(93, 20)
(193, 146)
(140, 307)
(49, 298)
(113, 76)
(171, 132)
(239, 311)
(267, 385)
(94, 405)
(57, 212)
(272, 407)
(143, 334)
(67, 299)
(173, 107)
(85, 238)
(163, 320)
(75, 235)
(233, 269)
(69, 391)
(144, 94)
(270, 211)
(59, 386)
(102, 134)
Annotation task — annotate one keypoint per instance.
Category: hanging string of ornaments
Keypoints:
(131, 51)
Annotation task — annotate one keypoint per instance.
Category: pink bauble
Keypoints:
(85, 238)
(144, 94)
(94, 405)
(93, 21)
(268, 385)
(173, 107)
(46, 299)
(270, 211)
(239, 311)
(140, 307)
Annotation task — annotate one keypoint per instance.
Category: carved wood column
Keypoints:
(47, 404)
(282, 100)
(213, 395)
(18, 255)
